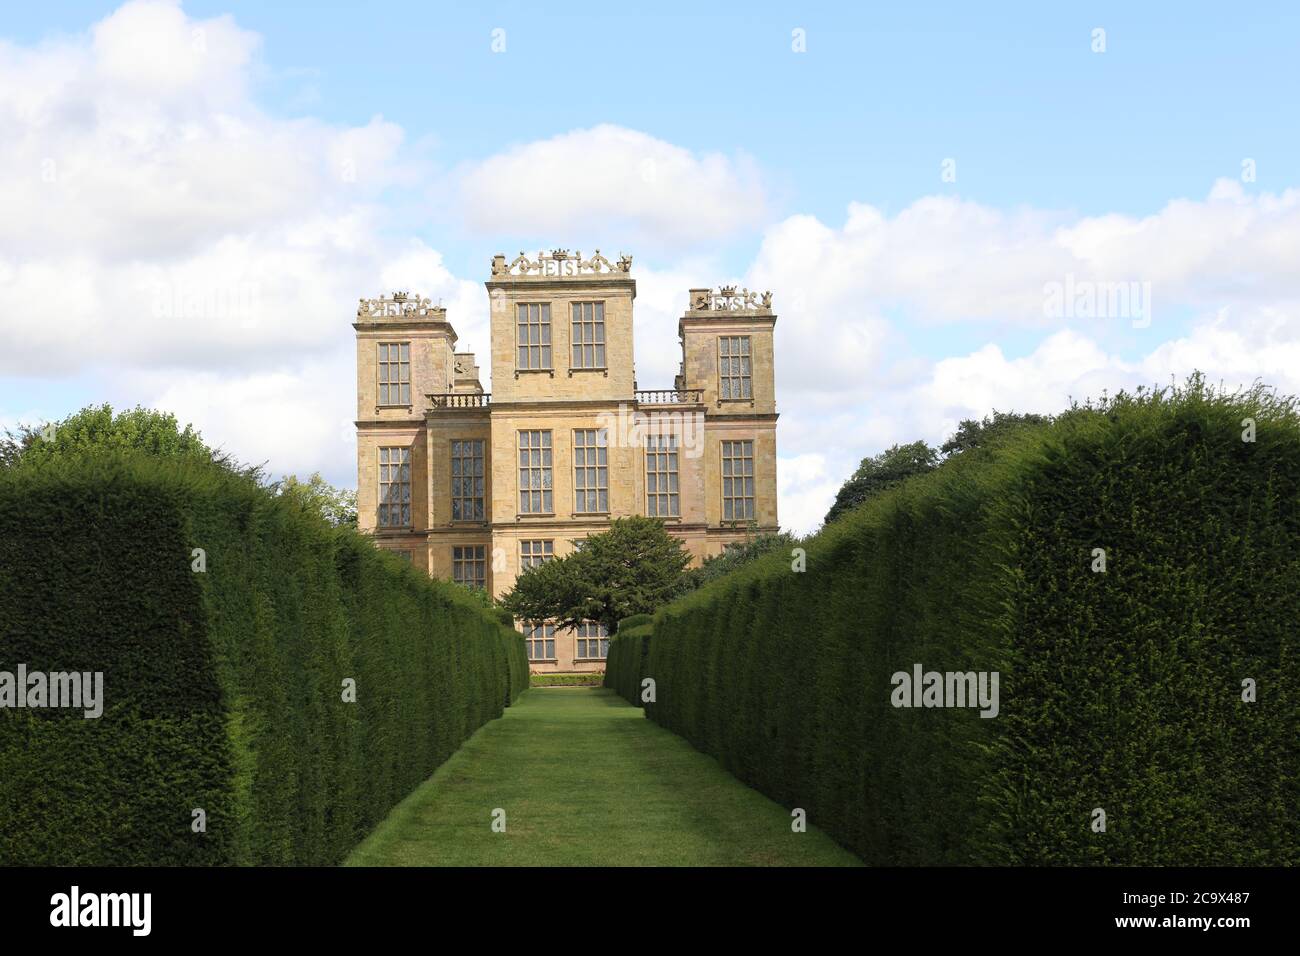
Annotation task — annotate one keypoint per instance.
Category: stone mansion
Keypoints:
(477, 487)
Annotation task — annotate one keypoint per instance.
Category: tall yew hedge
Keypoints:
(224, 689)
(626, 663)
(1120, 691)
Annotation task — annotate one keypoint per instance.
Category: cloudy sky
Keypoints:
(956, 210)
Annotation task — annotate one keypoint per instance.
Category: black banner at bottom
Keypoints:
(335, 905)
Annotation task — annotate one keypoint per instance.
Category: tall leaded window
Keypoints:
(394, 487)
(541, 641)
(590, 471)
(534, 335)
(662, 499)
(535, 495)
(394, 373)
(533, 553)
(593, 642)
(588, 335)
(737, 480)
(469, 565)
(734, 369)
(467, 479)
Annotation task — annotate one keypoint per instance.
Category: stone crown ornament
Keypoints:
(728, 299)
(401, 304)
(559, 263)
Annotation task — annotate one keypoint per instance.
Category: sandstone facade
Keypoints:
(474, 486)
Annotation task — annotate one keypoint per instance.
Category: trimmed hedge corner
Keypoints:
(1120, 691)
(634, 620)
(626, 665)
(224, 688)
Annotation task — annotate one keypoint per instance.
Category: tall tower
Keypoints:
(727, 354)
(405, 350)
(561, 373)
(561, 328)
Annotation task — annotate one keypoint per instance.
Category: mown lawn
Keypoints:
(585, 780)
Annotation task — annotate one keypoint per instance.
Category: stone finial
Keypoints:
(729, 299)
(401, 304)
(559, 263)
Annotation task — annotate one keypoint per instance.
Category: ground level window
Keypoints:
(541, 642)
(593, 642)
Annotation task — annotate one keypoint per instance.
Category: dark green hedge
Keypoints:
(224, 689)
(634, 620)
(1119, 690)
(626, 663)
(591, 679)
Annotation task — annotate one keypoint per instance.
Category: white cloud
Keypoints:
(158, 217)
(850, 382)
(1232, 349)
(612, 181)
(662, 294)
(298, 420)
(153, 50)
(805, 491)
(163, 230)
(942, 259)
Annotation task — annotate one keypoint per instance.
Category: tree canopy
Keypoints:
(900, 462)
(338, 506)
(632, 568)
(973, 434)
(737, 556)
(878, 472)
(98, 427)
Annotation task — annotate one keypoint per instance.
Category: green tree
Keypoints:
(876, 473)
(633, 568)
(737, 556)
(97, 427)
(338, 506)
(972, 433)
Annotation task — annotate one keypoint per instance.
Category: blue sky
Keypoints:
(1012, 90)
(1122, 165)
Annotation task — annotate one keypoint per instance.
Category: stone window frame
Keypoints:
(469, 565)
(730, 456)
(597, 472)
(654, 451)
(402, 384)
(543, 454)
(394, 487)
(545, 349)
(535, 551)
(478, 460)
(736, 369)
(546, 637)
(578, 323)
(585, 641)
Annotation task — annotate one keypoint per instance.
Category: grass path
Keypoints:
(585, 779)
